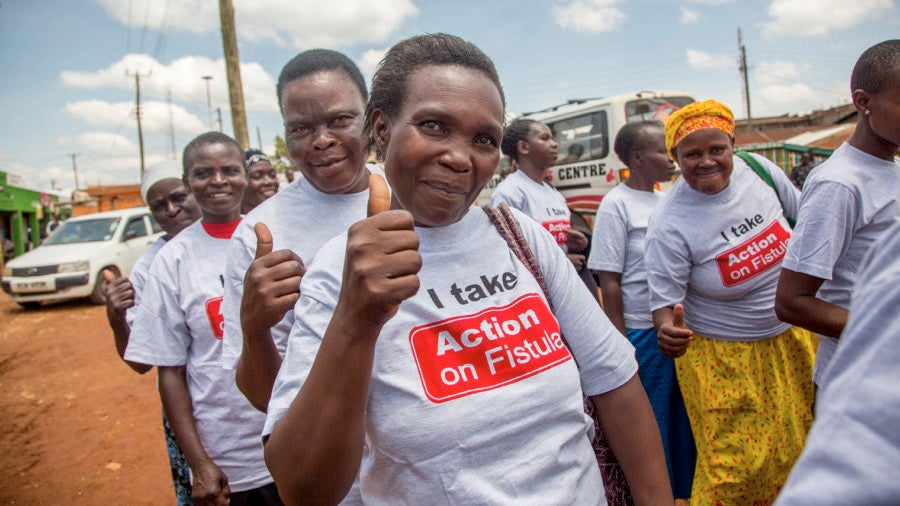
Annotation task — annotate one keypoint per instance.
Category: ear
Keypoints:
(522, 147)
(381, 129)
(861, 100)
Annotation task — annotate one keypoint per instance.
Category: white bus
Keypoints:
(585, 129)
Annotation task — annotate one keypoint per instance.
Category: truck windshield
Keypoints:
(101, 229)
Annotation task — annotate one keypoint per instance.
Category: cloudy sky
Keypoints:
(69, 67)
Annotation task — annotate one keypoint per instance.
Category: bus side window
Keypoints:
(582, 134)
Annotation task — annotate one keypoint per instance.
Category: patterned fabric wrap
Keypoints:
(694, 117)
(181, 473)
(750, 407)
(614, 483)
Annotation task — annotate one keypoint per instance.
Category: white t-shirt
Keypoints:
(620, 228)
(721, 254)
(852, 453)
(540, 201)
(179, 323)
(138, 277)
(473, 399)
(301, 219)
(847, 202)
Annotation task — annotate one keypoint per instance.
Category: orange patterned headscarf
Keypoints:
(697, 116)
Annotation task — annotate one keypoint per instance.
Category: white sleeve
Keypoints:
(824, 229)
(668, 266)
(240, 255)
(609, 242)
(605, 358)
(160, 335)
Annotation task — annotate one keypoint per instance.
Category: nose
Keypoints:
(456, 158)
(217, 177)
(323, 139)
(171, 208)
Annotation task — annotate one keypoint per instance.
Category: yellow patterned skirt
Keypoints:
(750, 407)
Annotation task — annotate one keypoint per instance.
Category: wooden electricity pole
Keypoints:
(745, 73)
(233, 73)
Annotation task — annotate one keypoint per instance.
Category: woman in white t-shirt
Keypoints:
(420, 333)
(715, 246)
(617, 256)
(179, 329)
(531, 147)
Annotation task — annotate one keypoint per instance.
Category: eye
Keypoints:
(432, 127)
(342, 120)
(178, 198)
(299, 130)
(486, 140)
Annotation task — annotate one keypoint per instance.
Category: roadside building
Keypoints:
(22, 213)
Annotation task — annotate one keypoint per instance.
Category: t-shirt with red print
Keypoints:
(474, 398)
(540, 201)
(179, 323)
(721, 254)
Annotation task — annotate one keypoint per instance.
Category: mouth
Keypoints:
(267, 193)
(327, 164)
(702, 173)
(447, 188)
(219, 195)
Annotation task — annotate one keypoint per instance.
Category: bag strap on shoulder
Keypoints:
(767, 178)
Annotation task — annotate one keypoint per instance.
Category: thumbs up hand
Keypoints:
(119, 292)
(379, 195)
(271, 284)
(673, 336)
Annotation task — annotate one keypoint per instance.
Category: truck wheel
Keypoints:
(98, 296)
(29, 305)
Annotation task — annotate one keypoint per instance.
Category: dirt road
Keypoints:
(77, 426)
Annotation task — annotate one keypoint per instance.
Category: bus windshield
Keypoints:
(654, 108)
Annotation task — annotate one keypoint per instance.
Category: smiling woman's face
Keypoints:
(705, 157)
(442, 146)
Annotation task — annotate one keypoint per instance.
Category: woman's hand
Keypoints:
(673, 337)
(210, 485)
(380, 269)
(119, 292)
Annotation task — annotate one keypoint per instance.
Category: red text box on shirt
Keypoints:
(754, 256)
(558, 229)
(214, 314)
(498, 346)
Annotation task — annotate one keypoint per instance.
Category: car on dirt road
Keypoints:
(69, 264)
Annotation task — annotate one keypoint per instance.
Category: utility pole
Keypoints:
(233, 72)
(137, 86)
(259, 138)
(209, 102)
(74, 167)
(745, 72)
(219, 114)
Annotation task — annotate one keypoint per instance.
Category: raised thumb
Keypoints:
(678, 316)
(109, 277)
(379, 195)
(263, 239)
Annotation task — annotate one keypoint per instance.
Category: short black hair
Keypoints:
(516, 131)
(876, 66)
(630, 135)
(320, 60)
(205, 140)
(406, 56)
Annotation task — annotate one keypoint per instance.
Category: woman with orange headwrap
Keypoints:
(713, 255)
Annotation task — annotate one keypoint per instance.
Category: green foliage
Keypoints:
(281, 160)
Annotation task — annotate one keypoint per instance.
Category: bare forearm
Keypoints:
(315, 449)
(633, 435)
(176, 400)
(257, 368)
(613, 305)
(796, 303)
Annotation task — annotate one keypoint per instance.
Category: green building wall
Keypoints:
(19, 208)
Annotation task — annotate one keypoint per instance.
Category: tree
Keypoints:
(281, 160)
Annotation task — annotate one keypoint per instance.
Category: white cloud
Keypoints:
(369, 61)
(688, 16)
(593, 16)
(704, 61)
(154, 116)
(710, 2)
(184, 78)
(301, 23)
(819, 17)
